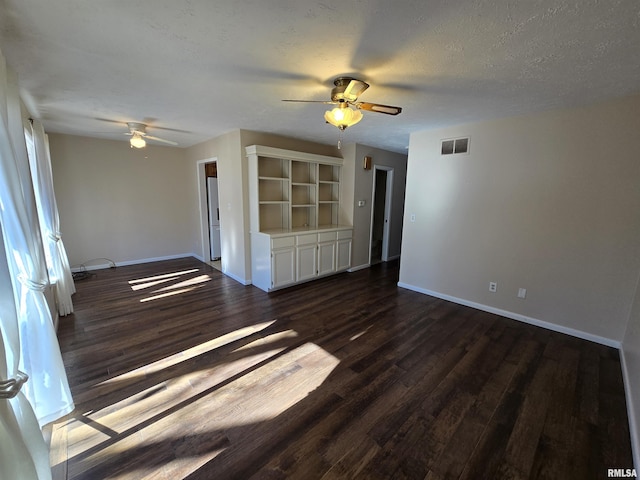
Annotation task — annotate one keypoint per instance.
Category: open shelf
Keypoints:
(292, 190)
(270, 189)
(329, 173)
(273, 168)
(304, 172)
(303, 216)
(328, 213)
(274, 216)
(328, 192)
(303, 194)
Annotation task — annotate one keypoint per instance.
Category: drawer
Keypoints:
(326, 237)
(281, 242)
(306, 239)
(344, 234)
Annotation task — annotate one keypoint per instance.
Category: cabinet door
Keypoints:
(326, 258)
(343, 261)
(306, 262)
(283, 271)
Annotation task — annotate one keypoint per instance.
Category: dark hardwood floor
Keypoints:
(180, 372)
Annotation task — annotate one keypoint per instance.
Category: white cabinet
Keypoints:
(326, 258)
(326, 252)
(282, 260)
(283, 267)
(343, 250)
(294, 216)
(306, 258)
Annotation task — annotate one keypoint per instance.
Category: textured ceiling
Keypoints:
(197, 69)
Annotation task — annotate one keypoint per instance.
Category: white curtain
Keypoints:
(23, 452)
(55, 253)
(29, 340)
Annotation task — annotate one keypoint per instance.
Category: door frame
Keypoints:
(387, 211)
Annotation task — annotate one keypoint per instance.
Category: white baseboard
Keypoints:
(516, 316)
(359, 267)
(130, 262)
(633, 421)
(243, 281)
(368, 265)
(154, 259)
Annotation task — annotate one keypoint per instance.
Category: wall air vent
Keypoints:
(455, 146)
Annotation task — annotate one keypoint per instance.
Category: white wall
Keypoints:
(546, 202)
(120, 203)
(225, 149)
(361, 186)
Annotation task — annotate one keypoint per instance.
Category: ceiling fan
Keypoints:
(139, 137)
(345, 95)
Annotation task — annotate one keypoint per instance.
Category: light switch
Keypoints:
(413, 217)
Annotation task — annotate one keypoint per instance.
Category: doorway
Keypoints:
(381, 214)
(213, 213)
(210, 213)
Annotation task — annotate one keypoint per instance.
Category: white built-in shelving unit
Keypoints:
(296, 234)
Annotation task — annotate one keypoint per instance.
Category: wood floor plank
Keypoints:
(559, 419)
(179, 372)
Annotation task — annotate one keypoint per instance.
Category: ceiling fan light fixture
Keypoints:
(343, 116)
(137, 141)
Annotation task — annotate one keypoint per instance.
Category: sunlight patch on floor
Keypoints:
(189, 353)
(169, 294)
(194, 415)
(251, 401)
(186, 283)
(177, 288)
(275, 337)
(142, 286)
(159, 277)
(358, 335)
(263, 393)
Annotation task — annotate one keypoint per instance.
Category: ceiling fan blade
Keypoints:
(376, 107)
(169, 142)
(312, 101)
(354, 89)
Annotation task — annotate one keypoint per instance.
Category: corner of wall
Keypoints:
(630, 362)
(629, 381)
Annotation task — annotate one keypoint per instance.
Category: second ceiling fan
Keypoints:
(345, 95)
(139, 136)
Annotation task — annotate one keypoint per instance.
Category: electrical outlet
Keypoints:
(522, 292)
(493, 287)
